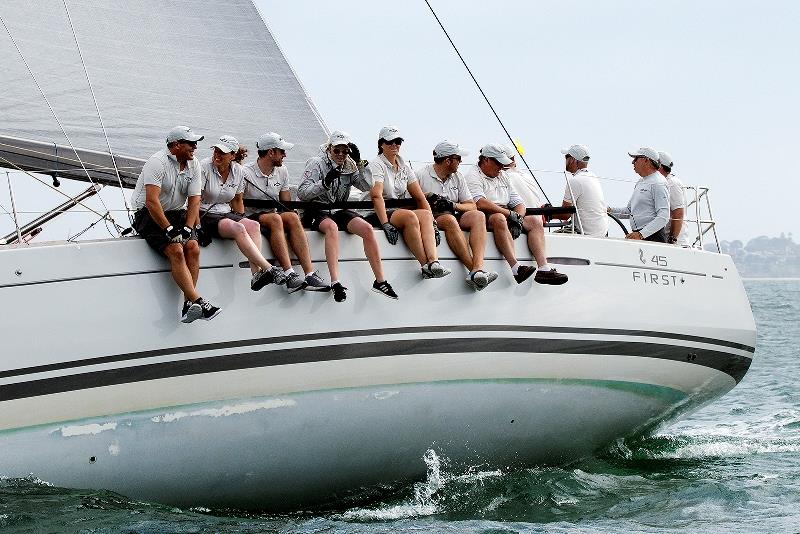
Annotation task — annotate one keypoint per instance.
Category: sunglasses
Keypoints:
(190, 143)
(340, 151)
(397, 142)
(455, 158)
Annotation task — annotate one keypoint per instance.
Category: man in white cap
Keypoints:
(584, 192)
(328, 179)
(267, 179)
(648, 208)
(522, 182)
(166, 200)
(677, 201)
(494, 195)
(454, 210)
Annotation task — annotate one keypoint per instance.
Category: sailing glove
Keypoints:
(443, 205)
(331, 177)
(174, 235)
(515, 224)
(392, 234)
(437, 235)
(355, 153)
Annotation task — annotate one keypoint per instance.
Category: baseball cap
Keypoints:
(579, 152)
(389, 133)
(665, 159)
(273, 140)
(448, 148)
(227, 144)
(645, 151)
(496, 152)
(339, 138)
(183, 133)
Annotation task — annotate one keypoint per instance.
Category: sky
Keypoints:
(714, 83)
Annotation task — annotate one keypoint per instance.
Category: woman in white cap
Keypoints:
(328, 178)
(222, 207)
(393, 178)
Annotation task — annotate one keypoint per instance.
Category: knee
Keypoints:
(446, 222)
(239, 229)
(473, 218)
(329, 228)
(291, 219)
(424, 216)
(497, 221)
(251, 226)
(533, 222)
(174, 251)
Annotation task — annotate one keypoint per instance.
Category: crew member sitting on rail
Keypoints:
(222, 210)
(648, 208)
(677, 201)
(493, 194)
(454, 211)
(328, 179)
(393, 178)
(267, 179)
(584, 192)
(168, 179)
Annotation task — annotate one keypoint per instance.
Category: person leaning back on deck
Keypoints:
(454, 211)
(223, 210)
(493, 194)
(648, 208)
(328, 179)
(268, 179)
(169, 179)
(677, 201)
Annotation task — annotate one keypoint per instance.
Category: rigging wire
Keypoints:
(99, 115)
(55, 116)
(487, 99)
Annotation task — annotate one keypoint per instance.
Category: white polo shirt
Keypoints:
(273, 184)
(454, 187)
(588, 199)
(163, 170)
(498, 190)
(677, 200)
(525, 187)
(217, 193)
(395, 182)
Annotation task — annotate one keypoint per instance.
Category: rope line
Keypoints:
(487, 99)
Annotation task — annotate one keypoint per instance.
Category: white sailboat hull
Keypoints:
(289, 400)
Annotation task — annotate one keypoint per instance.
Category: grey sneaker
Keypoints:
(260, 279)
(435, 269)
(315, 283)
(191, 312)
(278, 276)
(209, 311)
(294, 282)
(492, 276)
(479, 279)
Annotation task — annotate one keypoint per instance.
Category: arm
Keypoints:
(237, 204)
(489, 207)
(416, 193)
(467, 205)
(311, 187)
(153, 205)
(661, 205)
(676, 221)
(193, 211)
(285, 196)
(376, 194)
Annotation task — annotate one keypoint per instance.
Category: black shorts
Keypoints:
(156, 236)
(456, 214)
(313, 218)
(658, 237)
(210, 221)
(372, 218)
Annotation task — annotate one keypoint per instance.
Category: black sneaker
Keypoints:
(551, 277)
(260, 279)
(191, 312)
(339, 292)
(209, 310)
(384, 289)
(523, 273)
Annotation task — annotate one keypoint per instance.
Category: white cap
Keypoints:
(665, 159)
(496, 152)
(448, 148)
(647, 152)
(579, 152)
(182, 133)
(510, 152)
(389, 133)
(339, 138)
(273, 140)
(227, 144)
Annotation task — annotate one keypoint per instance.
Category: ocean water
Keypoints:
(734, 466)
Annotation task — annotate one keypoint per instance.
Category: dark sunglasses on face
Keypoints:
(397, 142)
(192, 144)
(340, 151)
(456, 158)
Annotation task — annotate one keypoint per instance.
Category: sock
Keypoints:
(288, 271)
(309, 273)
(515, 268)
(334, 282)
(544, 268)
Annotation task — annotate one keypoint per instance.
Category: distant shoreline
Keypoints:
(770, 278)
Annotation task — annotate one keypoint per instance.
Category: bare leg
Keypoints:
(230, 229)
(191, 254)
(455, 238)
(372, 250)
(407, 222)
(297, 239)
(277, 240)
(426, 230)
(502, 237)
(475, 223)
(331, 231)
(180, 271)
(533, 224)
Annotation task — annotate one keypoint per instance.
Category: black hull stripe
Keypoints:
(361, 333)
(734, 365)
